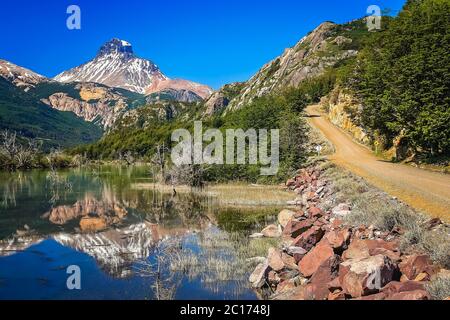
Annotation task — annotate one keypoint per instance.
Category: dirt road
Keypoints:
(423, 190)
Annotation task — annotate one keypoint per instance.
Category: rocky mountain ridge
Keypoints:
(324, 47)
(117, 66)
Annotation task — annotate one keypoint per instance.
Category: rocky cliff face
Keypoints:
(321, 49)
(220, 99)
(181, 95)
(343, 109)
(98, 104)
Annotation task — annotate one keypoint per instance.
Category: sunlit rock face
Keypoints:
(90, 211)
(114, 250)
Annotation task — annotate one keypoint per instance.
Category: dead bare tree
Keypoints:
(18, 155)
(159, 160)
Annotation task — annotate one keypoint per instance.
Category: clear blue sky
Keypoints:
(209, 41)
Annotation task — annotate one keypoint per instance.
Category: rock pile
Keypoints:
(323, 259)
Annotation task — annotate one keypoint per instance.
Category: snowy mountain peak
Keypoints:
(116, 65)
(116, 46)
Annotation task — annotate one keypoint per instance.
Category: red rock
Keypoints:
(309, 238)
(285, 216)
(327, 272)
(396, 287)
(410, 295)
(360, 277)
(359, 249)
(297, 253)
(299, 214)
(334, 285)
(313, 259)
(289, 261)
(394, 255)
(414, 265)
(275, 260)
(310, 196)
(319, 223)
(338, 239)
(337, 295)
(271, 231)
(373, 297)
(290, 183)
(315, 212)
(296, 228)
(337, 223)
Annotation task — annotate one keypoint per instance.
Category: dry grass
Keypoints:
(233, 194)
(439, 288)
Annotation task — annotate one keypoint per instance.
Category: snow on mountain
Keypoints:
(19, 76)
(116, 65)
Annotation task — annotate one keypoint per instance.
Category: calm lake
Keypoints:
(129, 238)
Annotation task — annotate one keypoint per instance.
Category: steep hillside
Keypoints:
(22, 112)
(93, 102)
(325, 47)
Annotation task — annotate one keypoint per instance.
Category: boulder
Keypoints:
(338, 239)
(258, 277)
(285, 216)
(315, 212)
(327, 272)
(297, 253)
(359, 249)
(394, 255)
(410, 295)
(309, 238)
(295, 228)
(336, 295)
(334, 285)
(290, 183)
(289, 261)
(271, 231)
(373, 297)
(361, 277)
(314, 259)
(397, 287)
(412, 266)
(274, 259)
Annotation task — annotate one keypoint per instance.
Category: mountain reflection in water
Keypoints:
(163, 247)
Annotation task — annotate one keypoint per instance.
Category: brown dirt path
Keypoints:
(423, 190)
